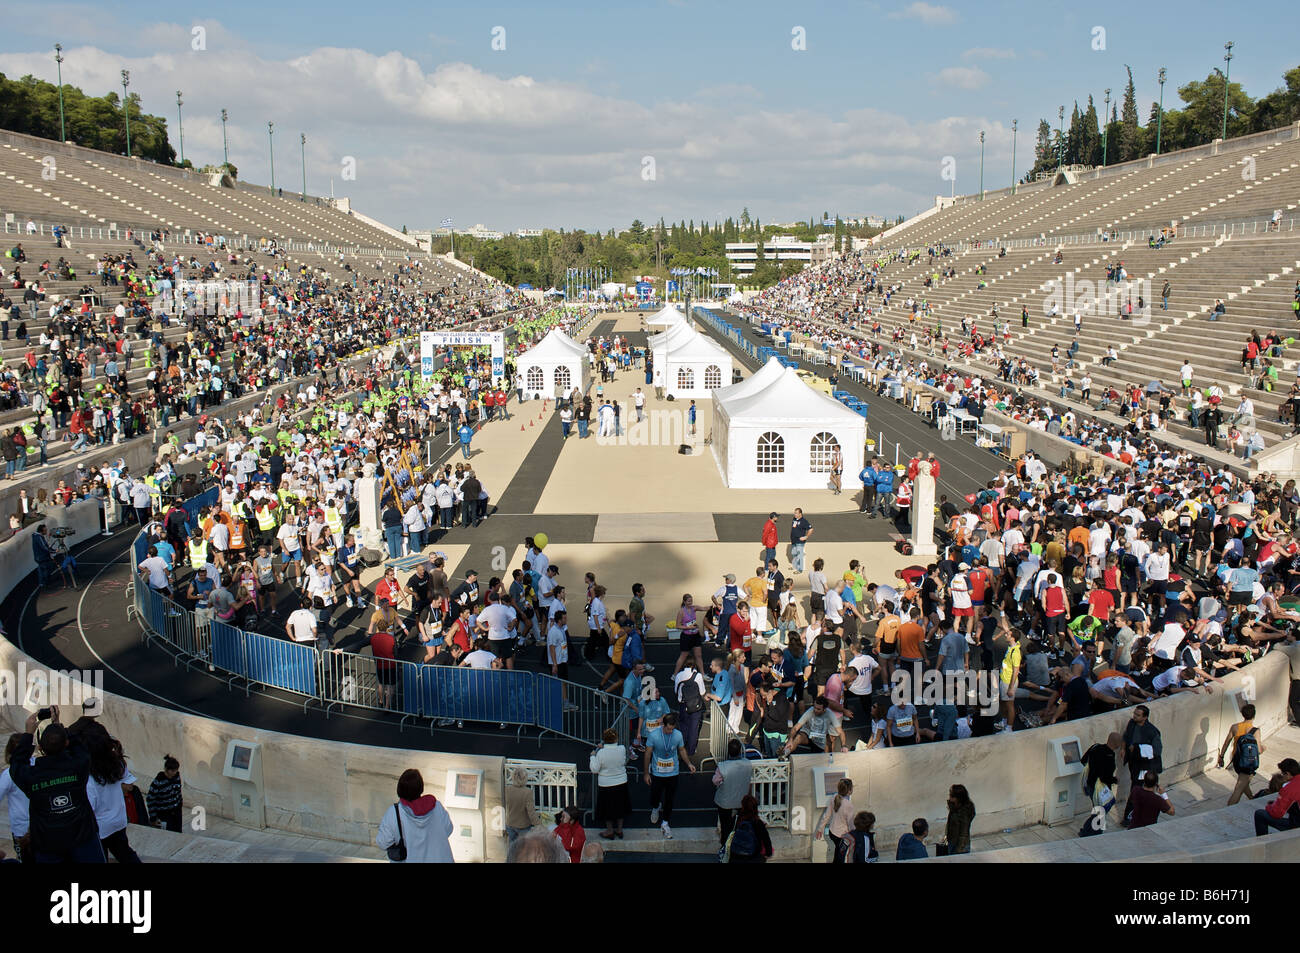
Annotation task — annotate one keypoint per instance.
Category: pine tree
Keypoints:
(1131, 139)
(1074, 138)
(1090, 154)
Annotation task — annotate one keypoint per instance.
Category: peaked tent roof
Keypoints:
(786, 399)
(672, 337)
(556, 346)
(761, 378)
(693, 347)
(666, 315)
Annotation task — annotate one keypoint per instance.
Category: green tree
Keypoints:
(1131, 139)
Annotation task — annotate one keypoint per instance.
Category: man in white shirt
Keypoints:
(833, 603)
(154, 567)
(499, 622)
(480, 658)
(301, 625)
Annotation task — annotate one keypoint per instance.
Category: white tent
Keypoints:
(773, 431)
(673, 335)
(552, 367)
(668, 315)
(688, 364)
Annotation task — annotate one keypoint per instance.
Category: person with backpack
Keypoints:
(750, 841)
(692, 695)
(63, 827)
(1244, 737)
(732, 779)
(859, 845)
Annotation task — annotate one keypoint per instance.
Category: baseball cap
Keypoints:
(771, 516)
(963, 567)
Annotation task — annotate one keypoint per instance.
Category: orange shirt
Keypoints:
(1081, 536)
(910, 640)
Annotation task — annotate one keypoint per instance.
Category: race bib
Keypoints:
(665, 765)
(652, 725)
(903, 726)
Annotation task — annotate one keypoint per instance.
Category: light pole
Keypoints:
(180, 125)
(1014, 122)
(1105, 129)
(1060, 152)
(58, 58)
(126, 81)
(225, 143)
(981, 165)
(302, 139)
(1227, 65)
(1160, 110)
(270, 138)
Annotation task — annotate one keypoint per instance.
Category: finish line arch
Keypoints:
(430, 341)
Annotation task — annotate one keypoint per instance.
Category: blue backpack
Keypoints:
(1245, 760)
(633, 650)
(744, 841)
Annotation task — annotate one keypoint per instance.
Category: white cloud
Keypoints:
(515, 150)
(962, 77)
(928, 13)
(988, 53)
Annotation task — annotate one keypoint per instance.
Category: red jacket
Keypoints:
(573, 837)
(769, 535)
(1287, 799)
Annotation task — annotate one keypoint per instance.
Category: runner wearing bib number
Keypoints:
(665, 750)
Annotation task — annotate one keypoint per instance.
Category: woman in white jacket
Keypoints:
(417, 820)
(16, 801)
(609, 764)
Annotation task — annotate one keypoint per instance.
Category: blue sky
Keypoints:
(557, 128)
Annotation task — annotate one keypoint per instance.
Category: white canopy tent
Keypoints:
(688, 364)
(673, 335)
(773, 431)
(666, 316)
(552, 367)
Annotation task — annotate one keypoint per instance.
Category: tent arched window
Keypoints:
(712, 377)
(771, 453)
(685, 378)
(821, 452)
(536, 378)
(563, 379)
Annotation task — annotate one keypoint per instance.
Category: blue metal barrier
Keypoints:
(280, 664)
(155, 611)
(550, 704)
(487, 695)
(228, 648)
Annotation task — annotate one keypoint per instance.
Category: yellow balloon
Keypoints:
(541, 539)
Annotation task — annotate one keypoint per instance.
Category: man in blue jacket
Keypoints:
(912, 846)
(884, 492)
(868, 478)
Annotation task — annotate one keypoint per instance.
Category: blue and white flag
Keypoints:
(446, 223)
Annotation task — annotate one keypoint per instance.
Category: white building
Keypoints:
(528, 233)
(779, 248)
(773, 431)
(482, 232)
